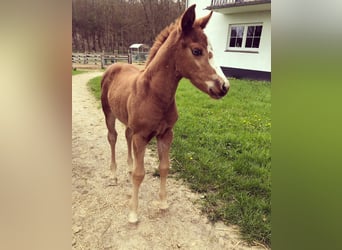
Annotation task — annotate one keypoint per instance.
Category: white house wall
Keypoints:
(217, 31)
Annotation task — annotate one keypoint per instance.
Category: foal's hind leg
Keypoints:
(112, 136)
(164, 144)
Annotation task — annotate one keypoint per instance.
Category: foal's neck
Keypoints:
(162, 74)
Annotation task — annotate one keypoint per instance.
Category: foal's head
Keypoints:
(195, 58)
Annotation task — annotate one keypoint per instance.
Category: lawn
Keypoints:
(76, 72)
(222, 149)
(95, 87)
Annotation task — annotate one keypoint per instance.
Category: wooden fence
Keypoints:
(100, 60)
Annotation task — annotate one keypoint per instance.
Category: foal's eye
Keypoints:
(196, 52)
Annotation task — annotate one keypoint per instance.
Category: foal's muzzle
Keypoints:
(219, 89)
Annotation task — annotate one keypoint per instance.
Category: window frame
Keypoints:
(243, 48)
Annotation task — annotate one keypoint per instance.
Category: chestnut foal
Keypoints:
(144, 100)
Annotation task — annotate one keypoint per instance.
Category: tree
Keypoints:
(113, 25)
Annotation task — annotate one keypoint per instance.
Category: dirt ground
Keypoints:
(100, 208)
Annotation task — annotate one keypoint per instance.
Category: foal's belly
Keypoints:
(150, 124)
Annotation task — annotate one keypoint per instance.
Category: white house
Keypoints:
(240, 33)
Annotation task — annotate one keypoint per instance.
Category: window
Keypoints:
(244, 37)
(236, 36)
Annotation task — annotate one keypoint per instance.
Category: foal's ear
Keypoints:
(188, 19)
(202, 22)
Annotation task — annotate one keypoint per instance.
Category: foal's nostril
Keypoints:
(224, 88)
(217, 82)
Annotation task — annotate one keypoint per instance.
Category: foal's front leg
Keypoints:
(164, 144)
(129, 135)
(138, 174)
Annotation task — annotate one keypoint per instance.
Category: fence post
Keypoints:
(102, 59)
(129, 59)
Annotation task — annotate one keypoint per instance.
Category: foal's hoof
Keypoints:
(163, 205)
(133, 218)
(113, 181)
(129, 173)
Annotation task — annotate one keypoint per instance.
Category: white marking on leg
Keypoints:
(132, 217)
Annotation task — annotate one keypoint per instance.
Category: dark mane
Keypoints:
(160, 39)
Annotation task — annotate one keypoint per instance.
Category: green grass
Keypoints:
(76, 72)
(222, 148)
(95, 86)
